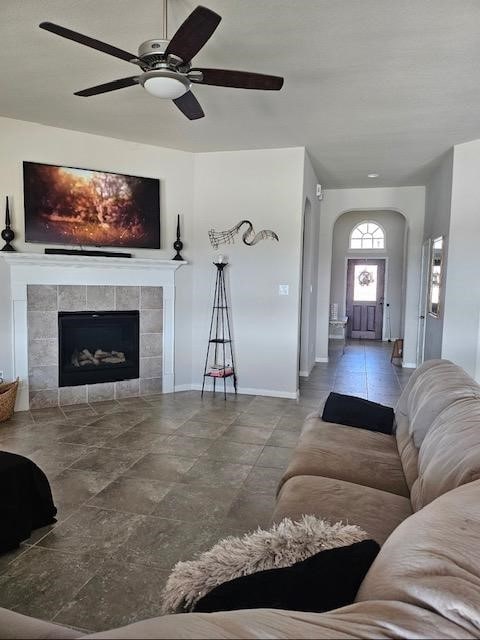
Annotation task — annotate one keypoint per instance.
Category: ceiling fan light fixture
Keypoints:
(165, 84)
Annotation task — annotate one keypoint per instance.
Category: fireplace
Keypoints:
(97, 346)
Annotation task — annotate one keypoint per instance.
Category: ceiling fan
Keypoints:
(166, 65)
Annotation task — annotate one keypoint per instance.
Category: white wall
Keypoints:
(393, 224)
(462, 297)
(410, 201)
(309, 276)
(266, 187)
(21, 140)
(438, 201)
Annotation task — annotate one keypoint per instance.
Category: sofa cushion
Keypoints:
(375, 511)
(431, 561)
(325, 581)
(346, 453)
(450, 453)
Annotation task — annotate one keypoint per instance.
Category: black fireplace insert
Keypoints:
(97, 346)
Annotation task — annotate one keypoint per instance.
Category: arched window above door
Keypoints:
(367, 235)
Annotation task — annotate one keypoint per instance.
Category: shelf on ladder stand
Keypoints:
(222, 365)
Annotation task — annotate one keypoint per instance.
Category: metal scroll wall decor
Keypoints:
(249, 236)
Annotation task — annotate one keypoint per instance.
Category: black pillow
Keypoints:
(325, 581)
(357, 412)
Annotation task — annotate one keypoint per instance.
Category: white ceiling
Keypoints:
(370, 85)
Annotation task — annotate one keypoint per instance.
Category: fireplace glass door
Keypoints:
(98, 346)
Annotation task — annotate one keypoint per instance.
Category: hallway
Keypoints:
(364, 370)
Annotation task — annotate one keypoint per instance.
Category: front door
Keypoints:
(365, 289)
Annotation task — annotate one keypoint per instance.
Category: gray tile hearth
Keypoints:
(151, 298)
(127, 389)
(42, 297)
(151, 321)
(42, 324)
(141, 483)
(150, 345)
(127, 298)
(44, 302)
(150, 386)
(100, 392)
(72, 297)
(72, 395)
(100, 298)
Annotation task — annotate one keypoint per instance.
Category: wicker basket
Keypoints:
(8, 395)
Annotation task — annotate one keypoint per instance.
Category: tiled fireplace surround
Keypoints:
(40, 285)
(43, 304)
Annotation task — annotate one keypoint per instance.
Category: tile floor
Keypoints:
(142, 483)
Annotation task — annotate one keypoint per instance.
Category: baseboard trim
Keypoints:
(243, 391)
(183, 387)
(409, 365)
(321, 359)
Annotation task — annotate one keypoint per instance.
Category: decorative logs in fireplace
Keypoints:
(81, 358)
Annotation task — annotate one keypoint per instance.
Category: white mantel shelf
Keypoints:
(78, 261)
(23, 269)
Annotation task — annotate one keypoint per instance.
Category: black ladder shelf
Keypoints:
(219, 362)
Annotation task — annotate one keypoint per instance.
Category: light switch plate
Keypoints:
(283, 289)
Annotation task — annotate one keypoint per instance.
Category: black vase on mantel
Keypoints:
(7, 234)
(178, 244)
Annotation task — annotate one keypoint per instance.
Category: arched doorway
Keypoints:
(373, 243)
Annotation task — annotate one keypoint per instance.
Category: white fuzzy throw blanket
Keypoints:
(281, 546)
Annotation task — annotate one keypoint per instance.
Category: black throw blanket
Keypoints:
(26, 501)
(357, 412)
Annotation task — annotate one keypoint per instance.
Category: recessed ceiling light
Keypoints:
(373, 175)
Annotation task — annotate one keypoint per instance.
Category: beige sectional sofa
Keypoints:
(377, 480)
(416, 492)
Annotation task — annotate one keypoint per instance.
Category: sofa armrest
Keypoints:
(15, 626)
(377, 619)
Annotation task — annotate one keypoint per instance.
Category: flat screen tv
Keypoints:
(71, 206)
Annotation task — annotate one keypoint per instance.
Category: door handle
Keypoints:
(422, 317)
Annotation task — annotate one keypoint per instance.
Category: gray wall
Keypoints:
(462, 300)
(394, 225)
(437, 223)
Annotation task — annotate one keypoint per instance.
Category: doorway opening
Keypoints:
(308, 292)
(365, 298)
(375, 309)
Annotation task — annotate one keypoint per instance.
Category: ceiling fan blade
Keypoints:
(87, 41)
(238, 79)
(189, 106)
(193, 33)
(108, 86)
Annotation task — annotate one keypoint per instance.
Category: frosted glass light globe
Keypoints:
(165, 87)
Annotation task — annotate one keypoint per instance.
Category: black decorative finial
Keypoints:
(7, 234)
(178, 244)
